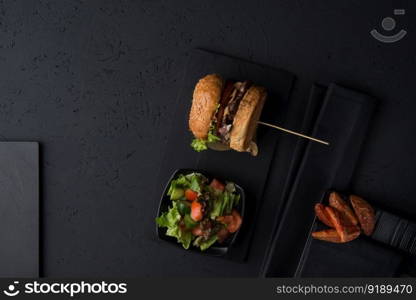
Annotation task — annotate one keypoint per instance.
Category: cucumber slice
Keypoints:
(176, 193)
(183, 208)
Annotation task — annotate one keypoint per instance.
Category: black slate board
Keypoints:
(343, 120)
(359, 258)
(249, 172)
(19, 209)
(363, 257)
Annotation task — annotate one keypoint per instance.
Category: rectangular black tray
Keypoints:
(363, 257)
(250, 172)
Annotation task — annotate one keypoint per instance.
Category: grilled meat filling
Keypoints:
(230, 100)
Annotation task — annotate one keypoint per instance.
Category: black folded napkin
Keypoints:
(374, 256)
(342, 120)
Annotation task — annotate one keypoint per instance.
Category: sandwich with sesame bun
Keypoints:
(224, 114)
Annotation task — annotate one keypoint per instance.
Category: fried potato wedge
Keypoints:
(322, 215)
(346, 231)
(327, 235)
(336, 201)
(365, 214)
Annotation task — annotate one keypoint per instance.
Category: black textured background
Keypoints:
(94, 82)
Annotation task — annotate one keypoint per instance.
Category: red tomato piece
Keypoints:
(196, 211)
(217, 185)
(191, 195)
(232, 221)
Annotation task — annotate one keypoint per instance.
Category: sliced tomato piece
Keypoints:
(232, 221)
(237, 220)
(217, 185)
(191, 195)
(197, 211)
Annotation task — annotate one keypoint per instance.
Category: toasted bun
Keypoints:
(207, 95)
(245, 120)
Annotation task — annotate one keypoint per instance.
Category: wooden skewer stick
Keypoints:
(294, 132)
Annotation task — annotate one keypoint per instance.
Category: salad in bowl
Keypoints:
(200, 212)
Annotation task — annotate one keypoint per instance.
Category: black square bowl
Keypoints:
(215, 250)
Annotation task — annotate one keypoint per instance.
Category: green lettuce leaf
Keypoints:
(170, 220)
(216, 209)
(199, 145)
(179, 183)
(196, 184)
(191, 176)
(197, 181)
(223, 204)
(205, 244)
(230, 187)
(212, 137)
(232, 201)
(183, 237)
(182, 181)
